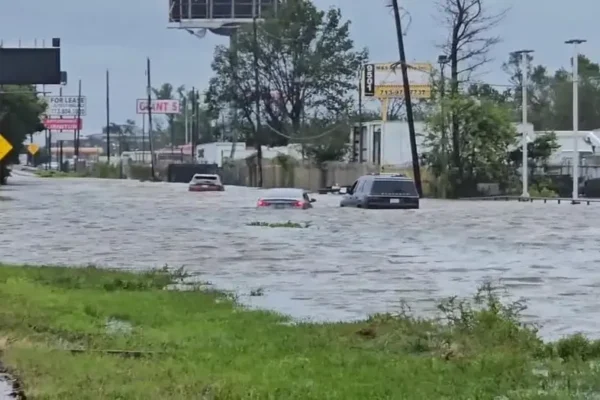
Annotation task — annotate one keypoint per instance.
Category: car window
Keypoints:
(353, 187)
(394, 186)
(359, 188)
(305, 196)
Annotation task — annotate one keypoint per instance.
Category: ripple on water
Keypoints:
(348, 264)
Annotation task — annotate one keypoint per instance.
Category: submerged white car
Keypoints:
(206, 183)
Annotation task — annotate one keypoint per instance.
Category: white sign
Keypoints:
(65, 106)
(159, 106)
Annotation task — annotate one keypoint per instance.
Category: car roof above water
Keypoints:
(285, 193)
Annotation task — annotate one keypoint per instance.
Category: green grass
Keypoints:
(199, 344)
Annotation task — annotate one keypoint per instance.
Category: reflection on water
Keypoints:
(348, 264)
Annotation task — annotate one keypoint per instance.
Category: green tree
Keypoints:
(487, 135)
(20, 115)
(307, 64)
(470, 39)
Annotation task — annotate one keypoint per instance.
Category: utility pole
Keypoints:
(575, 43)
(108, 116)
(442, 61)
(524, 84)
(407, 100)
(257, 137)
(149, 107)
(78, 130)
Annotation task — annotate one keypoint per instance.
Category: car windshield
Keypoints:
(205, 177)
(394, 186)
(283, 194)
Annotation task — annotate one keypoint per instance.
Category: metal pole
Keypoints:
(185, 117)
(360, 113)
(442, 60)
(575, 43)
(408, 101)
(149, 94)
(108, 116)
(524, 108)
(77, 131)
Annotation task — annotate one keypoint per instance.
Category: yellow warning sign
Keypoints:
(33, 149)
(5, 147)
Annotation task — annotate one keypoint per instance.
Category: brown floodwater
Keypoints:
(348, 264)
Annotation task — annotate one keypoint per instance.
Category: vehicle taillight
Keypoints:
(261, 203)
(300, 204)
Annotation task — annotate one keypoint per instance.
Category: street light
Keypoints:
(524, 82)
(442, 61)
(575, 63)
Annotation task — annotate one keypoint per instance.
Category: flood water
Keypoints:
(348, 264)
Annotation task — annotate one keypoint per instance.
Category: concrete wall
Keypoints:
(302, 175)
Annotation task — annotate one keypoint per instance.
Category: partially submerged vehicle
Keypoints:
(281, 198)
(206, 183)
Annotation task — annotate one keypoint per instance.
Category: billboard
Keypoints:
(67, 124)
(65, 106)
(30, 66)
(181, 10)
(383, 81)
(158, 106)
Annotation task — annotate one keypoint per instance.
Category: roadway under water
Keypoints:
(348, 264)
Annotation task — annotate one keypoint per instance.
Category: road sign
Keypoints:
(65, 106)
(65, 124)
(158, 106)
(5, 147)
(33, 149)
(384, 80)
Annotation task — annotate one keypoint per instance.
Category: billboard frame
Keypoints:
(373, 88)
(188, 23)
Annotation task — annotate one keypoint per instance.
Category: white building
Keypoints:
(388, 143)
(218, 152)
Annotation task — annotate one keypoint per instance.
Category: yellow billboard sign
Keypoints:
(397, 91)
(384, 80)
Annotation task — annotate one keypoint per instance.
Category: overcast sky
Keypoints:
(120, 34)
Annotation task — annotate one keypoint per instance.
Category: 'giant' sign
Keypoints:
(159, 106)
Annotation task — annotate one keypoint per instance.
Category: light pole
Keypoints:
(442, 61)
(575, 43)
(524, 83)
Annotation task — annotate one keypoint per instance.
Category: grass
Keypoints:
(288, 224)
(57, 326)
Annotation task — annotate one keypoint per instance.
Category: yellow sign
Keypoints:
(5, 147)
(396, 91)
(385, 80)
(33, 149)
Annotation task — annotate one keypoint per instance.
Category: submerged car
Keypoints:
(206, 183)
(389, 191)
(285, 198)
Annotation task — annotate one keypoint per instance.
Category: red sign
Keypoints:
(70, 124)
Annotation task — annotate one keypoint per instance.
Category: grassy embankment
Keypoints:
(58, 327)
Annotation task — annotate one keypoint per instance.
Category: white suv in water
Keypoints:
(206, 183)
